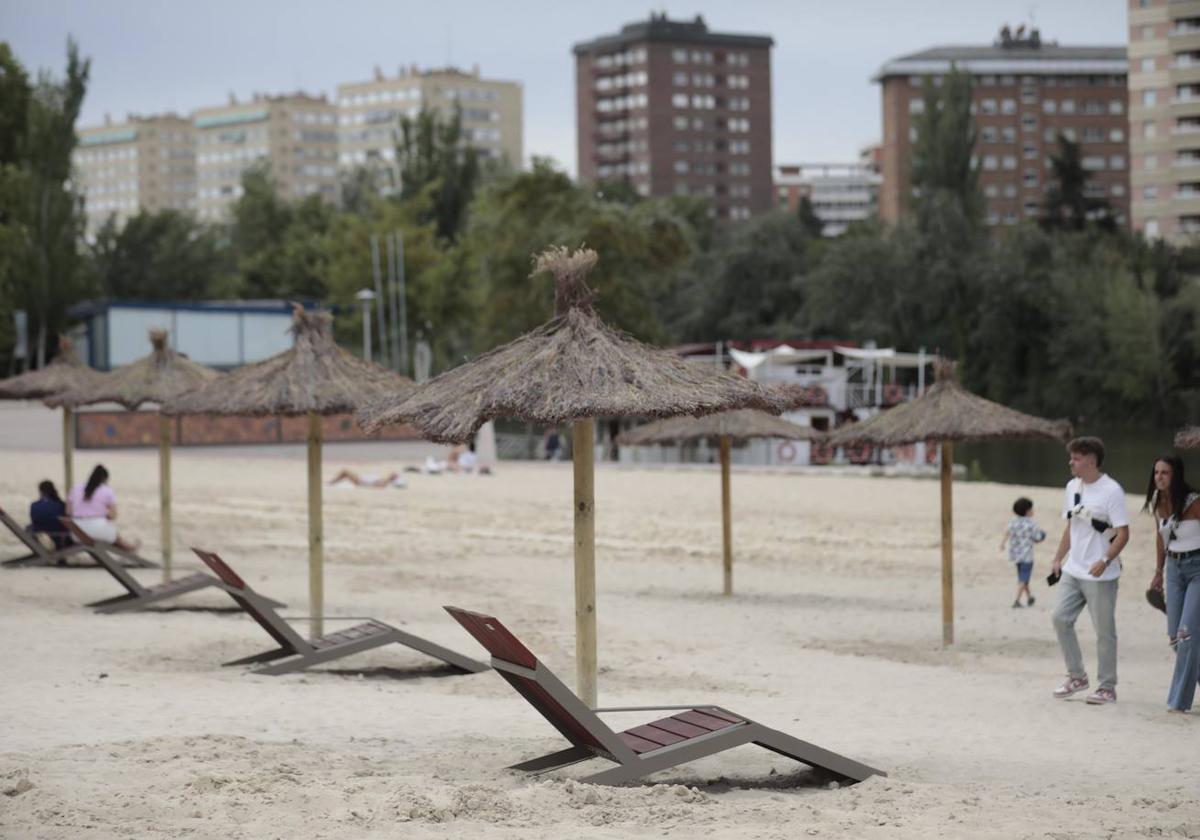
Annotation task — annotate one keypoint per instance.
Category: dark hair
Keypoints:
(98, 477)
(1179, 489)
(48, 490)
(1022, 506)
(1088, 446)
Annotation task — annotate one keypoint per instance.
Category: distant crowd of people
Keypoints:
(1087, 568)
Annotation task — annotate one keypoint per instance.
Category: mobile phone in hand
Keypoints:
(1053, 578)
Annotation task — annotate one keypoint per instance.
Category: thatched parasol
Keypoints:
(66, 372)
(571, 369)
(154, 378)
(1188, 437)
(314, 378)
(947, 413)
(727, 428)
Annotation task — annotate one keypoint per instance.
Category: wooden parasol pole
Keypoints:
(164, 492)
(316, 538)
(947, 543)
(68, 447)
(585, 561)
(726, 516)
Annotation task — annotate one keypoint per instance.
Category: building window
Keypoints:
(1093, 163)
(1147, 65)
(1118, 190)
(1116, 135)
(1030, 179)
(680, 79)
(1151, 228)
(989, 162)
(1149, 129)
(1116, 162)
(1147, 33)
(1150, 194)
(1149, 98)
(679, 56)
(1028, 95)
(987, 134)
(1010, 162)
(680, 100)
(988, 106)
(1116, 107)
(1049, 106)
(681, 167)
(1008, 106)
(1029, 152)
(991, 191)
(1150, 163)
(916, 106)
(1010, 190)
(681, 123)
(1029, 122)
(1067, 106)
(1008, 134)
(1031, 208)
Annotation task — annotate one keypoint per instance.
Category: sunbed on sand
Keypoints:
(299, 653)
(691, 732)
(136, 595)
(38, 554)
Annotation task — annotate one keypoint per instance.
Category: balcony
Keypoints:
(1185, 162)
(1184, 75)
(1185, 40)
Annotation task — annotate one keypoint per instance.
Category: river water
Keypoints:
(1130, 454)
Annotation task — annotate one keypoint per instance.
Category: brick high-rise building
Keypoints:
(293, 135)
(674, 109)
(1026, 92)
(369, 114)
(1164, 117)
(143, 163)
(841, 193)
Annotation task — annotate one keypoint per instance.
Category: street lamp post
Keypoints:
(365, 296)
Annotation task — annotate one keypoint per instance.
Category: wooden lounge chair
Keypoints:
(688, 733)
(299, 653)
(38, 554)
(136, 595)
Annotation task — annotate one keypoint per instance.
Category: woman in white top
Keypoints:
(1176, 508)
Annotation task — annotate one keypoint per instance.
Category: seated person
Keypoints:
(44, 514)
(349, 478)
(467, 460)
(93, 506)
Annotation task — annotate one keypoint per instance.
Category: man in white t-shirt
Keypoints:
(1097, 530)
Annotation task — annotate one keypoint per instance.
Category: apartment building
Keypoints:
(369, 114)
(1164, 117)
(1026, 92)
(840, 193)
(293, 135)
(674, 109)
(143, 163)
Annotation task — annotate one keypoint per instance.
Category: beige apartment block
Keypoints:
(293, 135)
(143, 163)
(1164, 117)
(1027, 91)
(369, 114)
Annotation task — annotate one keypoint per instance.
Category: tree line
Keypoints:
(1065, 315)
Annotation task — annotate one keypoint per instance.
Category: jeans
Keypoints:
(1100, 597)
(1182, 580)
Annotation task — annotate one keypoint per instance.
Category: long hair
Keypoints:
(1177, 493)
(49, 491)
(98, 477)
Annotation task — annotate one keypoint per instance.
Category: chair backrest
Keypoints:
(78, 534)
(544, 691)
(110, 564)
(20, 533)
(266, 617)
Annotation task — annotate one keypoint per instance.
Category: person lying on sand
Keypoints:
(349, 478)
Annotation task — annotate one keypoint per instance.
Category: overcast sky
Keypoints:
(150, 56)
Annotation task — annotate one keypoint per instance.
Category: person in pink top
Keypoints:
(93, 506)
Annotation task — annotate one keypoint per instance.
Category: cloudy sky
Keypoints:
(170, 55)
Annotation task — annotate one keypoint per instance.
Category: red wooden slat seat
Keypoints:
(677, 729)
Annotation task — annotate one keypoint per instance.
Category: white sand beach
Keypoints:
(126, 726)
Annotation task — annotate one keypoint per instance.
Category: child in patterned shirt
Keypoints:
(1022, 533)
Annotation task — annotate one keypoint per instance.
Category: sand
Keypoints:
(125, 726)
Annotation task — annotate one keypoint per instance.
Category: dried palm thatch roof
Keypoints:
(315, 375)
(66, 372)
(154, 378)
(1188, 438)
(802, 396)
(739, 426)
(948, 412)
(572, 367)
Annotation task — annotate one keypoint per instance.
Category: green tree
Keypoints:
(943, 154)
(159, 256)
(279, 247)
(44, 220)
(438, 166)
(809, 220)
(1067, 205)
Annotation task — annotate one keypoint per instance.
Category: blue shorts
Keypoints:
(1024, 571)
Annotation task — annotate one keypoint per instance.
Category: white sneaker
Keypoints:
(1072, 685)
